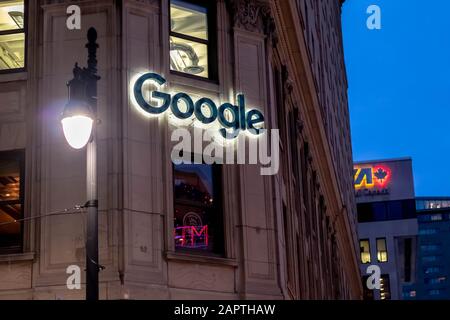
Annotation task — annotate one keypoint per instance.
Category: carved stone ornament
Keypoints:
(299, 126)
(255, 16)
(288, 85)
(247, 15)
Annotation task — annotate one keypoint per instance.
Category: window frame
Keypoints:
(19, 156)
(217, 207)
(380, 252)
(360, 253)
(211, 42)
(24, 30)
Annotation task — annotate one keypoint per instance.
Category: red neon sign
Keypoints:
(369, 177)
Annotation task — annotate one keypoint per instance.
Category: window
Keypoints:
(365, 212)
(409, 209)
(386, 210)
(427, 231)
(12, 35)
(11, 201)
(430, 247)
(429, 270)
(192, 38)
(434, 292)
(385, 287)
(364, 248)
(426, 204)
(198, 222)
(429, 258)
(407, 260)
(379, 211)
(436, 217)
(435, 280)
(395, 209)
(382, 250)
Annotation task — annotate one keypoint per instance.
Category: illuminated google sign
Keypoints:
(238, 119)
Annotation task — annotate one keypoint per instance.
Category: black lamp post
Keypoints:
(79, 126)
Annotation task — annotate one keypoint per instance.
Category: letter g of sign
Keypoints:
(155, 94)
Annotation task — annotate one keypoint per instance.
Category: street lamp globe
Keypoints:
(77, 118)
(77, 130)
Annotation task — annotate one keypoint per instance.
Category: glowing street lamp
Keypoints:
(77, 118)
(78, 121)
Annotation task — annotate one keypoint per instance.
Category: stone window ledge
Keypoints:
(201, 259)
(13, 257)
(13, 76)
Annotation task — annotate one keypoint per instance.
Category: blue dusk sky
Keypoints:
(399, 86)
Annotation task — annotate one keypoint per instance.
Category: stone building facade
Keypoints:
(285, 236)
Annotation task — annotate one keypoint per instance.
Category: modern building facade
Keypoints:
(387, 224)
(178, 231)
(433, 254)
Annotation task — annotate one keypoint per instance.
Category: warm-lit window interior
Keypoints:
(198, 223)
(382, 255)
(12, 35)
(189, 38)
(10, 202)
(364, 248)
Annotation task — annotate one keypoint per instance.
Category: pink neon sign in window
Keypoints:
(191, 236)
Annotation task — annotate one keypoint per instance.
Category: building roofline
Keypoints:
(383, 160)
(432, 198)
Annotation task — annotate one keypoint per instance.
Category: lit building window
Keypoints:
(364, 248)
(434, 292)
(427, 231)
(12, 35)
(385, 287)
(430, 247)
(382, 255)
(429, 258)
(198, 221)
(429, 270)
(10, 201)
(436, 217)
(190, 43)
(435, 280)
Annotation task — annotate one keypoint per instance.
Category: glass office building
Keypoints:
(433, 254)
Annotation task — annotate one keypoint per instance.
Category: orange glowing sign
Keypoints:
(370, 177)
